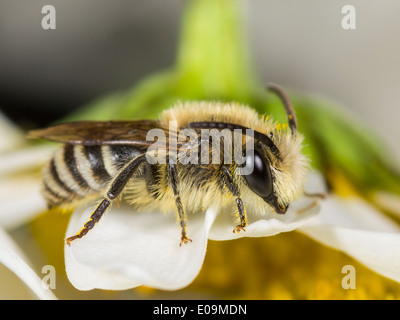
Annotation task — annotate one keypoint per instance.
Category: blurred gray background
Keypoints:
(101, 46)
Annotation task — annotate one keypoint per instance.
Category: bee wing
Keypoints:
(91, 133)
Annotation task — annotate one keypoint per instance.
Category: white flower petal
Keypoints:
(28, 158)
(20, 200)
(315, 183)
(356, 228)
(13, 259)
(11, 135)
(128, 249)
(353, 212)
(20, 183)
(377, 250)
(300, 212)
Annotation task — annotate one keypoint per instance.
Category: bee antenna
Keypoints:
(291, 114)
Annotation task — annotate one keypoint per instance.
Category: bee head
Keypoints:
(259, 180)
(277, 167)
(276, 181)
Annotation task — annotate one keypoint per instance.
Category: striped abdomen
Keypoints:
(76, 171)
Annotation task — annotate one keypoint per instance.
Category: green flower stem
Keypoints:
(213, 59)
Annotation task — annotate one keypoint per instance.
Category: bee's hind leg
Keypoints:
(173, 181)
(94, 217)
(113, 192)
(229, 182)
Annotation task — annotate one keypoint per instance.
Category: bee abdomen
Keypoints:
(74, 172)
(55, 188)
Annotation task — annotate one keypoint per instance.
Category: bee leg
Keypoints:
(181, 212)
(242, 216)
(113, 192)
(95, 217)
(234, 190)
(315, 195)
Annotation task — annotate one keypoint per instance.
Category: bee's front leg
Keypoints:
(233, 188)
(173, 181)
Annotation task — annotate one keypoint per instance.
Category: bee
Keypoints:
(106, 160)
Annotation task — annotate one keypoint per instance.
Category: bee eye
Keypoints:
(259, 180)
